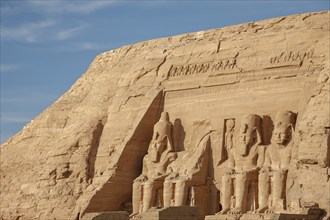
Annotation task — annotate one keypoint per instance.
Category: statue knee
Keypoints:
(148, 185)
(180, 184)
(226, 179)
(136, 185)
(167, 184)
(241, 177)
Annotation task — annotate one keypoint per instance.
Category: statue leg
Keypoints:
(227, 192)
(168, 192)
(136, 197)
(240, 193)
(263, 192)
(278, 189)
(180, 195)
(149, 195)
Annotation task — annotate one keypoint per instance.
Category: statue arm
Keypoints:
(144, 167)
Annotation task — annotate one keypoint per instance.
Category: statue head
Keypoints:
(249, 133)
(164, 117)
(162, 127)
(284, 127)
(162, 133)
(156, 149)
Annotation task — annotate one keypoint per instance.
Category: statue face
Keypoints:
(247, 135)
(156, 148)
(282, 135)
(246, 138)
(154, 155)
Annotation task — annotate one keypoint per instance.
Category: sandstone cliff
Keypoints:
(83, 152)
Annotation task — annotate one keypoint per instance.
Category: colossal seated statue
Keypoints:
(187, 174)
(245, 157)
(160, 155)
(273, 174)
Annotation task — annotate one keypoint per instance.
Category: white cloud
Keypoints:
(40, 31)
(65, 34)
(88, 46)
(28, 32)
(4, 68)
(83, 46)
(67, 7)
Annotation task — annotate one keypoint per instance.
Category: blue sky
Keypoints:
(47, 45)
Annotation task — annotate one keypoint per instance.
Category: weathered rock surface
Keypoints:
(82, 154)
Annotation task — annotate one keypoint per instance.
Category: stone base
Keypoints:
(118, 215)
(171, 213)
(280, 216)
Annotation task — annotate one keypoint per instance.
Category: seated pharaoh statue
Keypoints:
(187, 175)
(245, 157)
(273, 174)
(148, 186)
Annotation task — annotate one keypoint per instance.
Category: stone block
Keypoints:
(119, 215)
(171, 213)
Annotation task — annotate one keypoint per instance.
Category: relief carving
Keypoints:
(293, 57)
(200, 68)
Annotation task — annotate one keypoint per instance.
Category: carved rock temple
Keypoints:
(230, 123)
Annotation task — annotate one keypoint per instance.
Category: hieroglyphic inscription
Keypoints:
(292, 57)
(201, 68)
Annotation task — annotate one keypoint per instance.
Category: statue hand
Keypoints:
(283, 170)
(250, 171)
(264, 169)
(173, 175)
(229, 171)
(141, 178)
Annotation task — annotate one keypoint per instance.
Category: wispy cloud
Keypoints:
(83, 46)
(68, 33)
(67, 7)
(28, 32)
(88, 46)
(40, 31)
(4, 68)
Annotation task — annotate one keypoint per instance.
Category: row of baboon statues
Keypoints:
(254, 178)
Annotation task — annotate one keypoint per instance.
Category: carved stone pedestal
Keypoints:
(171, 213)
(119, 215)
(280, 216)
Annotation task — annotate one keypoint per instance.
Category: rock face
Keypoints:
(245, 128)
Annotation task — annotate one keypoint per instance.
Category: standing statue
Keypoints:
(244, 161)
(230, 124)
(275, 168)
(187, 173)
(160, 155)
